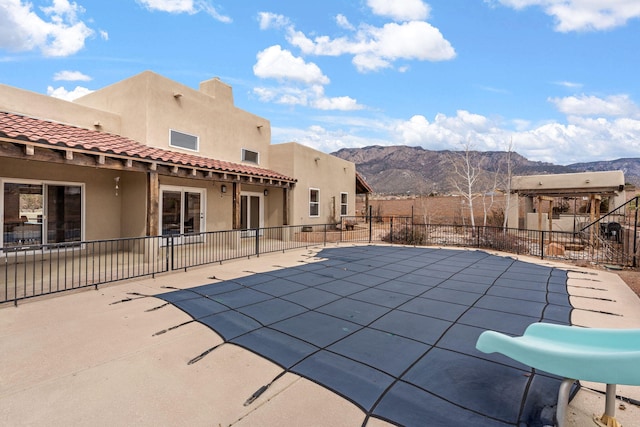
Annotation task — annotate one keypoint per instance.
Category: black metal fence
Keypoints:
(45, 269)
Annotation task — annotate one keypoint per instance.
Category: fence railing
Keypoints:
(45, 269)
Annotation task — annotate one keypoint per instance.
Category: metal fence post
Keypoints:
(324, 235)
(635, 235)
(370, 223)
(171, 254)
(541, 244)
(391, 230)
(257, 241)
(406, 229)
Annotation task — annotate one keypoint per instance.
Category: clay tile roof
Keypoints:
(39, 131)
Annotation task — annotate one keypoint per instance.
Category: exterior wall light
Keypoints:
(223, 188)
(266, 192)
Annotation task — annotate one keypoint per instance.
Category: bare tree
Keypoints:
(489, 196)
(466, 168)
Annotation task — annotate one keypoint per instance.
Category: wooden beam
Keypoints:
(236, 205)
(174, 169)
(153, 204)
(128, 163)
(285, 206)
(68, 155)
(101, 159)
(29, 150)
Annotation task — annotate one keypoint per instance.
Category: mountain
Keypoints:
(402, 169)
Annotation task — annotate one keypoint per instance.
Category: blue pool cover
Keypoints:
(393, 329)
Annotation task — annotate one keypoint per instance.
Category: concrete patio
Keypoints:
(102, 358)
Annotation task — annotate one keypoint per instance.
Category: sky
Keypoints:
(556, 80)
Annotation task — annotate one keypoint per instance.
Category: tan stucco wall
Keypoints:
(149, 110)
(45, 107)
(102, 207)
(314, 169)
(133, 200)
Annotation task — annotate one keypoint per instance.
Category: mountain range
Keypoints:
(414, 170)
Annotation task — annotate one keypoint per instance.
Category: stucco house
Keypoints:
(149, 156)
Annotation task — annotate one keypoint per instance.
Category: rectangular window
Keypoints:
(250, 156)
(183, 140)
(314, 202)
(344, 205)
(41, 213)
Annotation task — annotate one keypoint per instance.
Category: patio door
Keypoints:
(36, 213)
(182, 211)
(251, 213)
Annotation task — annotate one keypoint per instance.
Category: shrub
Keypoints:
(406, 236)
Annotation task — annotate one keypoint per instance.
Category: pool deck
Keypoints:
(98, 358)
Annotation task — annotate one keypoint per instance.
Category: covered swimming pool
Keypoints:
(393, 329)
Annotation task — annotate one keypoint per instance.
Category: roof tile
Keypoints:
(45, 132)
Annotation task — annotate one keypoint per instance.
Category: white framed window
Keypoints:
(41, 212)
(250, 156)
(183, 140)
(314, 202)
(344, 204)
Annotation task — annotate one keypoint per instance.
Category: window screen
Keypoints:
(249, 156)
(183, 140)
(344, 205)
(314, 202)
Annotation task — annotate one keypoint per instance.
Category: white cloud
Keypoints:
(323, 139)
(71, 76)
(58, 33)
(582, 15)
(104, 35)
(268, 20)
(63, 93)
(342, 103)
(343, 22)
(312, 96)
(375, 48)
(372, 48)
(277, 63)
(580, 139)
(400, 10)
(185, 6)
(583, 105)
(569, 85)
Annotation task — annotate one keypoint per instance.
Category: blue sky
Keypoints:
(557, 78)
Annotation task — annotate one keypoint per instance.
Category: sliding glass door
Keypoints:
(36, 213)
(182, 210)
(251, 213)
